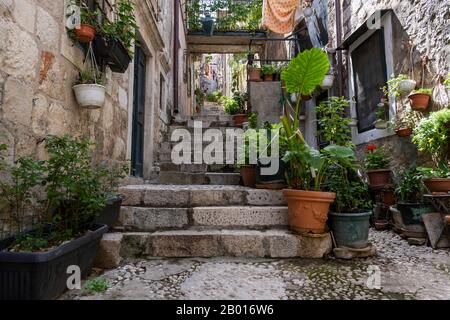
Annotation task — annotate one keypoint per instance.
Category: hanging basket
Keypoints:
(86, 33)
(328, 82)
(90, 96)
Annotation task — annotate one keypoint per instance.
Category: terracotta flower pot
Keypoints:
(239, 119)
(437, 185)
(404, 132)
(248, 174)
(86, 33)
(308, 210)
(268, 77)
(254, 74)
(379, 178)
(419, 101)
(306, 98)
(389, 197)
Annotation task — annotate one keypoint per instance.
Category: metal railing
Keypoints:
(228, 15)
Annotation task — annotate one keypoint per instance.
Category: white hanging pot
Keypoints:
(308, 12)
(294, 97)
(381, 124)
(328, 82)
(91, 96)
(407, 86)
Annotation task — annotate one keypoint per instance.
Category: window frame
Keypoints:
(373, 134)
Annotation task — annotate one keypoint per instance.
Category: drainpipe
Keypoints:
(176, 48)
(340, 70)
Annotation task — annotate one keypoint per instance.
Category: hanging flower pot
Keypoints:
(306, 98)
(406, 86)
(86, 33)
(90, 96)
(328, 82)
(381, 124)
(404, 132)
(208, 25)
(420, 101)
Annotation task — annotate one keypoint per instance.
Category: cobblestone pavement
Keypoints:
(407, 272)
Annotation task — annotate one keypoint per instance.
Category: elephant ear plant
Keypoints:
(307, 168)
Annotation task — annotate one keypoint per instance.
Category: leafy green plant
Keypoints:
(432, 135)
(98, 285)
(269, 69)
(333, 125)
(18, 190)
(442, 171)
(447, 81)
(376, 158)
(73, 185)
(110, 177)
(392, 88)
(124, 27)
(408, 120)
(410, 188)
(214, 97)
(90, 76)
(306, 71)
(230, 106)
(253, 120)
(352, 193)
(424, 91)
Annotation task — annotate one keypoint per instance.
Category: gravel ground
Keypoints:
(406, 272)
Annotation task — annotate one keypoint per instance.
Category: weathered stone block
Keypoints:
(240, 216)
(25, 14)
(18, 103)
(47, 30)
(257, 197)
(108, 256)
(241, 245)
(151, 219)
(18, 51)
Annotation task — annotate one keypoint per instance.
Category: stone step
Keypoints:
(222, 129)
(157, 219)
(196, 168)
(208, 178)
(271, 243)
(190, 196)
(221, 157)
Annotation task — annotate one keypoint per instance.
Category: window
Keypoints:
(369, 75)
(371, 61)
(162, 84)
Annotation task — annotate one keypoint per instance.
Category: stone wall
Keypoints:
(38, 65)
(425, 24)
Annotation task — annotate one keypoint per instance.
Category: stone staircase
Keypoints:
(199, 210)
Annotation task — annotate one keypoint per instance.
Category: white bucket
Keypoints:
(91, 96)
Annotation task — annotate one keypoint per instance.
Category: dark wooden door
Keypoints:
(137, 149)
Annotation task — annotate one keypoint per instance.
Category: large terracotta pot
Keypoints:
(254, 74)
(419, 101)
(248, 174)
(437, 185)
(239, 119)
(308, 210)
(379, 178)
(268, 77)
(86, 33)
(404, 132)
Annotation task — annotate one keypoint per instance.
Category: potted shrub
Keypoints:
(405, 124)
(409, 193)
(276, 181)
(352, 210)
(308, 201)
(110, 178)
(89, 90)
(399, 85)
(115, 42)
(236, 107)
(376, 164)
(254, 73)
(268, 72)
(432, 137)
(246, 165)
(34, 264)
(420, 99)
(334, 127)
(89, 22)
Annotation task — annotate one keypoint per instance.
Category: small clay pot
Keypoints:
(248, 174)
(437, 185)
(254, 74)
(239, 119)
(379, 178)
(404, 132)
(86, 33)
(419, 101)
(268, 77)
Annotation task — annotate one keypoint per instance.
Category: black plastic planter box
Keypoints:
(43, 276)
(113, 53)
(111, 212)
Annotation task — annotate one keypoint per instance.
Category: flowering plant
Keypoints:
(375, 158)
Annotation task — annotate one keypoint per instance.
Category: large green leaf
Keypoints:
(306, 71)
